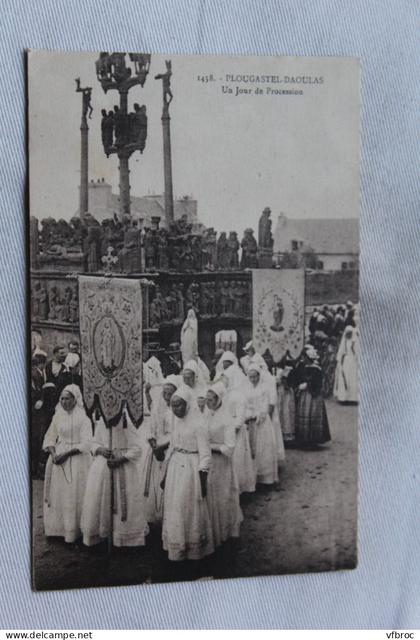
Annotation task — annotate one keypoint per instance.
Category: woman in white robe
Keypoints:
(258, 409)
(186, 529)
(193, 375)
(68, 441)
(228, 360)
(223, 491)
(152, 383)
(243, 462)
(189, 337)
(270, 382)
(129, 522)
(346, 373)
(157, 437)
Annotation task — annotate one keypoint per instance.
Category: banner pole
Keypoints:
(111, 502)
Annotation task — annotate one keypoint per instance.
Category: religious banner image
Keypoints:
(279, 311)
(111, 346)
(194, 316)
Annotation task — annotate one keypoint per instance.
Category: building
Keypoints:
(103, 204)
(334, 241)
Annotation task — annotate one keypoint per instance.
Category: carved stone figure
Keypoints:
(233, 248)
(157, 309)
(246, 299)
(171, 303)
(107, 130)
(232, 298)
(166, 83)
(121, 127)
(55, 304)
(141, 65)
(76, 232)
(249, 250)
(193, 296)
(238, 300)
(74, 308)
(181, 228)
(130, 256)
(265, 237)
(150, 241)
(197, 254)
(163, 255)
(103, 66)
(180, 309)
(87, 94)
(137, 122)
(120, 72)
(48, 233)
(208, 298)
(187, 257)
(224, 297)
(65, 309)
(94, 241)
(222, 251)
(39, 302)
(175, 254)
(210, 245)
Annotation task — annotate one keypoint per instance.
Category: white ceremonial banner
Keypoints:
(278, 311)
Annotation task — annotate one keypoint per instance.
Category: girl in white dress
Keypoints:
(223, 491)
(270, 382)
(129, 524)
(346, 373)
(68, 441)
(258, 409)
(157, 441)
(243, 462)
(186, 529)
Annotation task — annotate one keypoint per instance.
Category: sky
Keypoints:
(235, 154)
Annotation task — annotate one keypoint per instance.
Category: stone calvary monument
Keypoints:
(203, 270)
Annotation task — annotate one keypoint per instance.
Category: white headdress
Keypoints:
(72, 360)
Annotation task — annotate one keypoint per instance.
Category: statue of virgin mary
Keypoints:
(189, 337)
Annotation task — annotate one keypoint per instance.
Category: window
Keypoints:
(294, 245)
(320, 265)
(344, 266)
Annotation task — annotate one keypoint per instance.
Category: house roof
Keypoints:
(148, 206)
(323, 235)
(106, 203)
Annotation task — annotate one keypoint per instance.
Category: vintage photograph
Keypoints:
(194, 316)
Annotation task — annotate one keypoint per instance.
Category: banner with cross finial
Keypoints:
(111, 346)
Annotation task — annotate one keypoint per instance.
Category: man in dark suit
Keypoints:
(38, 414)
(55, 380)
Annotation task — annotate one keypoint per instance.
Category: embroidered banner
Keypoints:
(278, 311)
(110, 312)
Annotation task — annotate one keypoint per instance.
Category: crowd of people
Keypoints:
(326, 329)
(207, 437)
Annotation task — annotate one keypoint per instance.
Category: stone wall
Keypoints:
(222, 300)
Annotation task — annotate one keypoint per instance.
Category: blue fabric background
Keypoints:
(384, 590)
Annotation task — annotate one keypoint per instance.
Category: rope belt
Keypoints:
(48, 485)
(123, 493)
(180, 450)
(148, 474)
